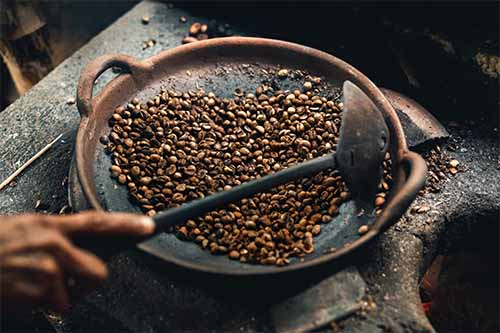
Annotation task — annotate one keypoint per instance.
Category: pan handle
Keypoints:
(140, 71)
(414, 174)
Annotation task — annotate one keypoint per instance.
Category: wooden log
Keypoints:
(24, 44)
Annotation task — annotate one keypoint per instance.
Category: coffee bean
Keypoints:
(333, 210)
(145, 180)
(115, 170)
(122, 179)
(154, 157)
(260, 129)
(195, 29)
(234, 254)
(190, 170)
(379, 201)
(182, 146)
(250, 225)
(363, 229)
(316, 230)
(303, 97)
(128, 142)
(183, 232)
(344, 195)
(282, 73)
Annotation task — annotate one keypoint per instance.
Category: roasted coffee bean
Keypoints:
(190, 170)
(122, 179)
(182, 146)
(363, 229)
(379, 201)
(135, 171)
(115, 170)
(282, 73)
(145, 180)
(195, 29)
(250, 225)
(234, 254)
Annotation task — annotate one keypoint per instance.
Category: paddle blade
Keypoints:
(363, 143)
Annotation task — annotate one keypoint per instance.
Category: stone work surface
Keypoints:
(144, 295)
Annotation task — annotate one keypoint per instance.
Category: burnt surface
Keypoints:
(145, 295)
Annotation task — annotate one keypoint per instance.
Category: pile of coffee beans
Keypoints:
(441, 168)
(181, 146)
(489, 64)
(201, 31)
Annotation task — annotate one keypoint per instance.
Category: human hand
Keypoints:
(38, 258)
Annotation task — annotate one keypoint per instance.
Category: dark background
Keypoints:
(425, 50)
(387, 41)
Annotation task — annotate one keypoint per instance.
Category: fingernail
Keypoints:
(147, 223)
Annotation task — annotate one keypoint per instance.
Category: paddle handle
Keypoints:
(171, 217)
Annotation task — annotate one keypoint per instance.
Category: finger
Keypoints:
(97, 223)
(87, 270)
(57, 298)
(72, 260)
(80, 263)
(77, 262)
(20, 295)
(35, 279)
